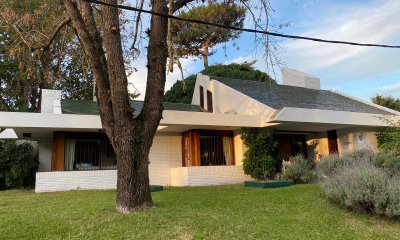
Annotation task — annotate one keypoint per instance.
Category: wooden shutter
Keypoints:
(58, 148)
(191, 148)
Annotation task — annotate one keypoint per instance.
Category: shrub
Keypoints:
(261, 146)
(330, 164)
(363, 181)
(18, 164)
(388, 161)
(389, 138)
(260, 168)
(300, 170)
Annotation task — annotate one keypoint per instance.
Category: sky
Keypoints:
(357, 71)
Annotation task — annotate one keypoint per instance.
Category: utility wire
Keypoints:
(124, 7)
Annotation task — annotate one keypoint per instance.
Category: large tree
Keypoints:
(191, 39)
(99, 32)
(180, 94)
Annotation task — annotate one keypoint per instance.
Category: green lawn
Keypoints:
(223, 212)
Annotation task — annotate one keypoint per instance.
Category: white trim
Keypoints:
(76, 121)
(288, 114)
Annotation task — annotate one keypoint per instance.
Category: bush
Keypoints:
(363, 181)
(300, 170)
(389, 138)
(260, 168)
(261, 146)
(330, 164)
(18, 164)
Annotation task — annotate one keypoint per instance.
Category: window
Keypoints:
(216, 150)
(207, 148)
(201, 97)
(209, 101)
(88, 152)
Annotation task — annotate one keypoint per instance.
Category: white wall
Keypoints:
(208, 175)
(226, 100)
(166, 153)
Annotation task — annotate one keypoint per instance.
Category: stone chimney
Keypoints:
(51, 101)
(291, 77)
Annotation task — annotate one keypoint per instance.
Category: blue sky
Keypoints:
(358, 71)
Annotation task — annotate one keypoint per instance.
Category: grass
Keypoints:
(223, 212)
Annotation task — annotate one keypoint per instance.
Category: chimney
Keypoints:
(291, 77)
(51, 101)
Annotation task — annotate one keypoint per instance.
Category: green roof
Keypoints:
(90, 107)
(279, 96)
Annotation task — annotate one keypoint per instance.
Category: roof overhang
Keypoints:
(322, 120)
(172, 121)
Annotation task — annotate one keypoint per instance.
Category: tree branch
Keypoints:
(178, 4)
(53, 36)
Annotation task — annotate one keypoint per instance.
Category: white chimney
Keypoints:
(51, 101)
(291, 77)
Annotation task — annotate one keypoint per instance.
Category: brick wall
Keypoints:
(208, 175)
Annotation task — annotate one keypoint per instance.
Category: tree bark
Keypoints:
(133, 180)
(205, 56)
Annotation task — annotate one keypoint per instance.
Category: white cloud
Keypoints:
(391, 89)
(368, 24)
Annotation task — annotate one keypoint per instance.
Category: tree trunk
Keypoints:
(133, 179)
(131, 137)
(205, 56)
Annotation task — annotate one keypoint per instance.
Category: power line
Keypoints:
(239, 29)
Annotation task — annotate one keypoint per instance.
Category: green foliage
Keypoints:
(192, 39)
(28, 64)
(18, 164)
(300, 170)
(389, 138)
(363, 181)
(243, 71)
(387, 101)
(260, 167)
(261, 147)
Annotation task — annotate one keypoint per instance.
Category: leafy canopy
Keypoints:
(191, 39)
(387, 101)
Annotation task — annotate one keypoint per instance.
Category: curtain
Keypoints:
(228, 149)
(69, 154)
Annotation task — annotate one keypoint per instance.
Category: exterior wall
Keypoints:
(229, 101)
(239, 147)
(75, 180)
(166, 153)
(208, 175)
(349, 139)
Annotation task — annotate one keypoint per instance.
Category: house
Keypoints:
(200, 143)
